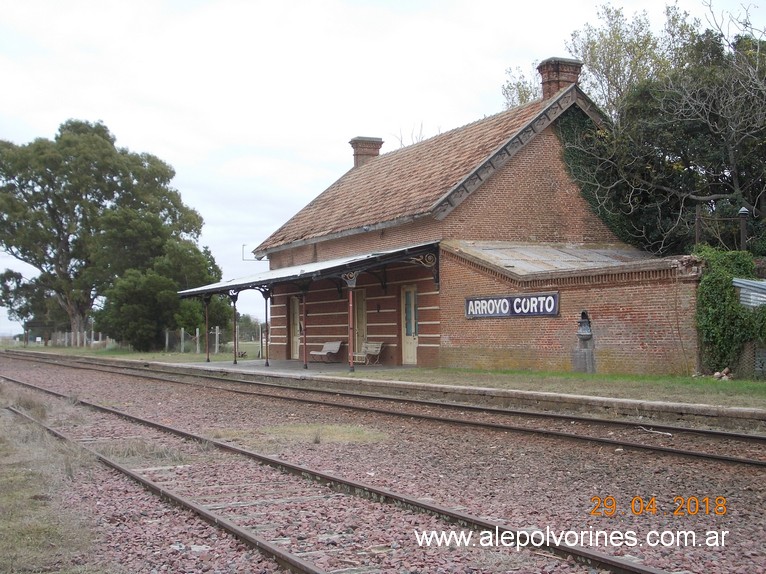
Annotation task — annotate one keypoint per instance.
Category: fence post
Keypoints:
(217, 335)
(167, 340)
(183, 339)
(197, 336)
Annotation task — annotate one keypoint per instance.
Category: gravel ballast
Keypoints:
(527, 481)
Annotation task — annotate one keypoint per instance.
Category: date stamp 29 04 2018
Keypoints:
(639, 506)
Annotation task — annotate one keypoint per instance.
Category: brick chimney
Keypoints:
(365, 149)
(557, 74)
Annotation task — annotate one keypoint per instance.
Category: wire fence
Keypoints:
(176, 341)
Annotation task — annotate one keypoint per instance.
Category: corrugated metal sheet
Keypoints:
(297, 272)
(752, 293)
(525, 258)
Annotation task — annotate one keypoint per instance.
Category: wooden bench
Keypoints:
(329, 348)
(369, 354)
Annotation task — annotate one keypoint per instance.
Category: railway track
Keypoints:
(308, 520)
(708, 444)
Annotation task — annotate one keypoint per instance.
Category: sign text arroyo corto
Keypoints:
(533, 304)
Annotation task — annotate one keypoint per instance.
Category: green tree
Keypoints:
(138, 307)
(617, 55)
(82, 211)
(622, 53)
(30, 304)
(521, 89)
(249, 328)
(688, 142)
(141, 304)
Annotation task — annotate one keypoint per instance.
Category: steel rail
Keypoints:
(90, 364)
(579, 553)
(463, 422)
(283, 558)
(511, 428)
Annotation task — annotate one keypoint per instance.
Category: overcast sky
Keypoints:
(253, 102)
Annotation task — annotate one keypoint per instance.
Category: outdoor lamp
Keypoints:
(583, 327)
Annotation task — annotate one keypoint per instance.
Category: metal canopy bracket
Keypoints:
(300, 275)
(429, 260)
(350, 278)
(382, 278)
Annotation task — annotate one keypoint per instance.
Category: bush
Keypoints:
(724, 325)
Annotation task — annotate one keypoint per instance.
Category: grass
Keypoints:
(133, 451)
(270, 439)
(743, 393)
(31, 405)
(37, 532)
(318, 433)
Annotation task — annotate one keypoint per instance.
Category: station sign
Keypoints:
(527, 305)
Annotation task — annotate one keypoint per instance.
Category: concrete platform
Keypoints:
(337, 376)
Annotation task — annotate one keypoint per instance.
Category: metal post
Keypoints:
(351, 330)
(743, 215)
(206, 301)
(266, 323)
(233, 295)
(350, 279)
(305, 327)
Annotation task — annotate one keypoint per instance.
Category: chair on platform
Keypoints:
(328, 349)
(369, 354)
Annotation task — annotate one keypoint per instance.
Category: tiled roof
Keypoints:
(411, 182)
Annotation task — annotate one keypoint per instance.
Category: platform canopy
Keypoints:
(331, 269)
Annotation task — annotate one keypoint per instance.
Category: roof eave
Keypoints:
(315, 271)
(261, 253)
(500, 156)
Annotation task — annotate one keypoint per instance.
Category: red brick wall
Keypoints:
(642, 322)
(327, 314)
(532, 199)
(421, 231)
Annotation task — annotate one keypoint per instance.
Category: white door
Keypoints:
(360, 319)
(409, 325)
(295, 328)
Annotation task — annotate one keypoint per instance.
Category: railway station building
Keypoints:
(476, 249)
